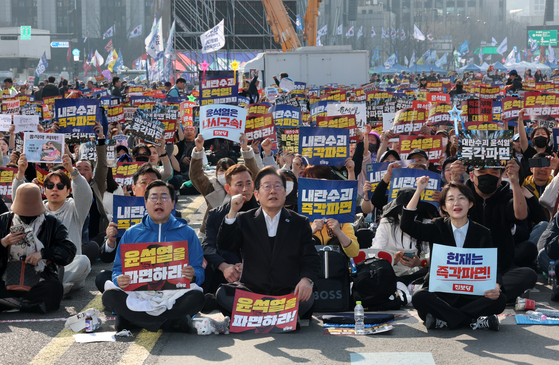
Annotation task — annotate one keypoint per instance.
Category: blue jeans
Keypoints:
(544, 260)
(537, 232)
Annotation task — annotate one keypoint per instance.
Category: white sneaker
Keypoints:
(404, 289)
(491, 322)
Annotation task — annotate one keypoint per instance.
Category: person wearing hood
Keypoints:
(330, 231)
(169, 310)
(226, 266)
(291, 188)
(213, 188)
(50, 89)
(499, 206)
(44, 244)
(72, 212)
(540, 138)
(458, 88)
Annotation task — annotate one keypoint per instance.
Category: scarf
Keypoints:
(31, 243)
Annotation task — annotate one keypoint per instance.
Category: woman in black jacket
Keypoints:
(448, 310)
(42, 242)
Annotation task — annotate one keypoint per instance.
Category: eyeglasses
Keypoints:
(154, 197)
(50, 186)
(268, 187)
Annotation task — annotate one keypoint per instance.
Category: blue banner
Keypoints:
(376, 171)
(555, 139)
(407, 178)
(127, 211)
(77, 115)
(324, 146)
(286, 115)
(318, 109)
(323, 199)
(218, 87)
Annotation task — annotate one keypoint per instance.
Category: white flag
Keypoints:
(155, 46)
(151, 33)
(493, 42)
(394, 33)
(98, 60)
(373, 32)
(360, 32)
(417, 33)
(109, 33)
(340, 29)
(318, 42)
(350, 33)
(511, 58)
(383, 34)
(213, 39)
(403, 35)
(406, 62)
(136, 32)
(169, 51)
(390, 61)
(412, 59)
(322, 31)
(551, 55)
(502, 47)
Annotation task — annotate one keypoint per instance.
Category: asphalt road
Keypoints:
(42, 339)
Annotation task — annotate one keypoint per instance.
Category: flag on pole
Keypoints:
(86, 34)
(511, 58)
(42, 66)
(412, 59)
(493, 42)
(155, 47)
(432, 57)
(406, 62)
(403, 35)
(213, 39)
(384, 33)
(151, 33)
(340, 29)
(322, 31)
(360, 32)
(109, 33)
(394, 33)
(111, 60)
(69, 54)
(109, 46)
(464, 48)
(417, 33)
(136, 32)
(318, 42)
(119, 62)
(98, 61)
(551, 55)
(533, 44)
(390, 61)
(375, 57)
(430, 37)
(298, 26)
(350, 33)
(373, 32)
(169, 51)
(502, 47)
(442, 61)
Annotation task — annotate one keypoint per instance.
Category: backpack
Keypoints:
(332, 291)
(374, 285)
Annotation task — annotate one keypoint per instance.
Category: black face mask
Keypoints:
(142, 159)
(487, 184)
(373, 148)
(459, 87)
(540, 141)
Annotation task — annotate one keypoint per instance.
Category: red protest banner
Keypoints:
(541, 105)
(340, 121)
(439, 116)
(257, 109)
(438, 98)
(186, 114)
(6, 178)
(115, 114)
(124, 172)
(421, 105)
(170, 129)
(490, 91)
(155, 266)
(430, 144)
(478, 110)
(435, 86)
(260, 127)
(263, 313)
(409, 122)
(511, 107)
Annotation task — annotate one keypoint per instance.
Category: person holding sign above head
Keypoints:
(540, 138)
(276, 246)
(450, 310)
(169, 310)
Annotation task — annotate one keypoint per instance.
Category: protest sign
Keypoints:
(324, 146)
(88, 152)
(334, 95)
(286, 115)
(438, 115)
(388, 120)
(416, 104)
(218, 87)
(259, 127)
(540, 105)
(324, 199)
(318, 109)
(432, 145)
(77, 117)
(271, 93)
(359, 110)
(340, 121)
(259, 313)
(435, 87)
(115, 114)
(6, 178)
(124, 172)
(26, 123)
(43, 147)
(407, 178)
(127, 211)
(222, 121)
(170, 129)
(555, 138)
(146, 127)
(408, 122)
(155, 266)
(5, 122)
(32, 108)
(485, 148)
(288, 139)
(259, 108)
(299, 89)
(438, 98)
(10, 106)
(462, 270)
(243, 101)
(510, 108)
(376, 171)
(490, 92)
(286, 84)
(185, 112)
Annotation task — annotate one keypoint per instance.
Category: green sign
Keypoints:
(25, 32)
(544, 37)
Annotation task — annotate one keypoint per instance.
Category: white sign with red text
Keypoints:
(222, 121)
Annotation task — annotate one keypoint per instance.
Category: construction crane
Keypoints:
(279, 21)
(311, 20)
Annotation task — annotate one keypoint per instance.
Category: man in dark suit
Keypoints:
(276, 246)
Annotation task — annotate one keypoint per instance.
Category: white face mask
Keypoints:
(445, 141)
(288, 187)
(221, 179)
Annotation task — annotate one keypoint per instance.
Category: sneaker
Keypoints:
(555, 294)
(404, 293)
(431, 322)
(491, 322)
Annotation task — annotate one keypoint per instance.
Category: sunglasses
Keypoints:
(59, 186)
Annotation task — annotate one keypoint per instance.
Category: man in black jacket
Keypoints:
(117, 87)
(276, 246)
(50, 88)
(44, 243)
(514, 83)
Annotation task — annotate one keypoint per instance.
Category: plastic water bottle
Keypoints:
(359, 316)
(536, 316)
(551, 275)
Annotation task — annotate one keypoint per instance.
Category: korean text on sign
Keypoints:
(127, 211)
(485, 148)
(263, 313)
(155, 266)
(222, 121)
(323, 199)
(324, 146)
(462, 270)
(407, 178)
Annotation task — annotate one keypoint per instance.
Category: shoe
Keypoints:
(10, 303)
(431, 322)
(182, 325)
(491, 322)
(210, 304)
(404, 293)
(555, 295)
(33, 307)
(122, 323)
